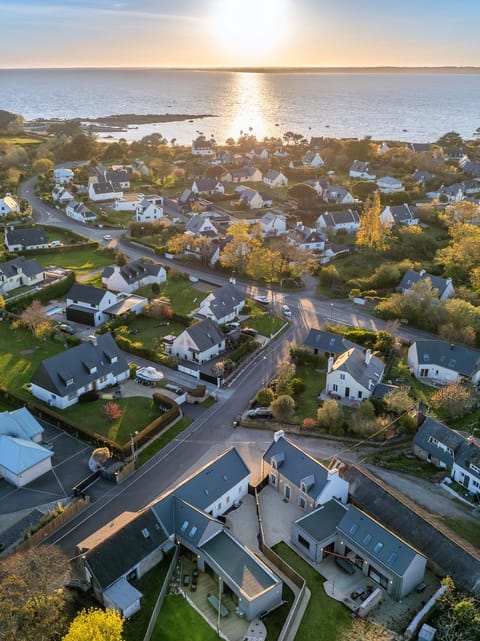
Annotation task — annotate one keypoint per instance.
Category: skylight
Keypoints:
(353, 528)
(367, 539)
(392, 558)
(378, 547)
(192, 532)
(184, 527)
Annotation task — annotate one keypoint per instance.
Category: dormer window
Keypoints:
(274, 463)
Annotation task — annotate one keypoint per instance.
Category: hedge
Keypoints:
(64, 249)
(144, 352)
(44, 295)
(242, 350)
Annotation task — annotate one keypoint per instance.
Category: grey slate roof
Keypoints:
(20, 424)
(243, 172)
(272, 174)
(54, 373)
(225, 301)
(86, 294)
(411, 277)
(195, 223)
(327, 342)
(29, 267)
(468, 456)
(431, 431)
(26, 237)
(379, 543)
(421, 175)
(135, 270)
(193, 524)
(334, 218)
(420, 147)
(323, 521)
(206, 184)
(403, 213)
(82, 209)
(125, 548)
(457, 358)
(296, 465)
(360, 165)
(205, 334)
(353, 362)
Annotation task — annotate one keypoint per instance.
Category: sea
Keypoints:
(416, 107)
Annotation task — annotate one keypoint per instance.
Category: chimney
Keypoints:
(368, 356)
(278, 435)
(93, 339)
(330, 364)
(452, 347)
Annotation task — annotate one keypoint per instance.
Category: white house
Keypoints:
(243, 175)
(22, 458)
(259, 153)
(88, 304)
(312, 159)
(8, 205)
(306, 238)
(383, 148)
(198, 343)
(299, 478)
(93, 365)
(201, 225)
(208, 186)
(347, 219)
(273, 224)
(79, 211)
(20, 272)
(319, 184)
(132, 276)
(61, 195)
(436, 362)
(466, 466)
(274, 178)
(62, 175)
(443, 286)
(149, 209)
(251, 198)
(128, 202)
(399, 215)
(223, 304)
(202, 147)
(354, 375)
(102, 191)
(360, 169)
(26, 239)
(117, 177)
(389, 185)
(337, 195)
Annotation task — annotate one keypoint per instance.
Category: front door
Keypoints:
(347, 392)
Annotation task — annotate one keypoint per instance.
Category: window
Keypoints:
(359, 394)
(342, 377)
(304, 542)
(335, 387)
(273, 479)
(302, 503)
(287, 492)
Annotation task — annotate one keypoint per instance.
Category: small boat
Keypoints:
(149, 374)
(277, 124)
(190, 121)
(404, 129)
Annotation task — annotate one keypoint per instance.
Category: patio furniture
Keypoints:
(212, 599)
(186, 580)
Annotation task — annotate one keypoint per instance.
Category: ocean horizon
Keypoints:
(385, 104)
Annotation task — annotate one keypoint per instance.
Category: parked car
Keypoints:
(286, 311)
(249, 331)
(67, 329)
(108, 237)
(233, 325)
(174, 388)
(55, 243)
(262, 299)
(260, 412)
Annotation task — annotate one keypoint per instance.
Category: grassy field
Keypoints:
(183, 297)
(20, 355)
(82, 261)
(465, 528)
(149, 585)
(264, 321)
(307, 402)
(19, 140)
(409, 466)
(324, 618)
(137, 412)
(163, 440)
(178, 621)
(399, 369)
(276, 619)
(149, 331)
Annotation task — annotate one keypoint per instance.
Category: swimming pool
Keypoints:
(54, 310)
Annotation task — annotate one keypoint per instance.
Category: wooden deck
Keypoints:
(232, 626)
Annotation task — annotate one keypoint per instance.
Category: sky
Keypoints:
(218, 33)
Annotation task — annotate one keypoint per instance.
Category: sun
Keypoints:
(250, 28)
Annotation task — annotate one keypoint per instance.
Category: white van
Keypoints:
(55, 243)
(286, 311)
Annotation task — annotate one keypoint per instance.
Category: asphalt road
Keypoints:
(213, 431)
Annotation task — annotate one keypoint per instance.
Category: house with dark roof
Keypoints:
(118, 177)
(354, 374)
(436, 443)
(436, 362)
(347, 219)
(315, 533)
(300, 478)
(22, 457)
(207, 186)
(61, 195)
(102, 191)
(361, 169)
(80, 212)
(472, 168)
(466, 466)
(93, 365)
(306, 238)
(133, 275)
(421, 176)
(273, 223)
(312, 159)
(88, 304)
(243, 175)
(149, 209)
(198, 343)
(17, 240)
(326, 343)
(202, 147)
(274, 178)
(222, 305)
(418, 147)
(389, 185)
(319, 184)
(201, 225)
(443, 286)
(449, 193)
(20, 272)
(399, 215)
(187, 517)
(336, 195)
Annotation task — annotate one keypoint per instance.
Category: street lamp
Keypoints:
(331, 311)
(134, 447)
(264, 371)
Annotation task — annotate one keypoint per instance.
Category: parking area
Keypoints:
(69, 467)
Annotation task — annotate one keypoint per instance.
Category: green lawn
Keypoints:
(307, 401)
(399, 369)
(184, 298)
(151, 331)
(82, 261)
(117, 218)
(263, 321)
(178, 621)
(137, 412)
(20, 355)
(409, 466)
(163, 440)
(276, 619)
(465, 528)
(150, 586)
(324, 617)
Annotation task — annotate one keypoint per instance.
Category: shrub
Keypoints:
(308, 423)
(297, 385)
(330, 416)
(112, 411)
(198, 391)
(282, 407)
(88, 397)
(264, 396)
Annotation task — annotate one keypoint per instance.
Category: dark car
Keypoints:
(174, 388)
(260, 412)
(67, 329)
